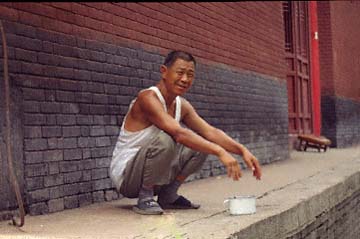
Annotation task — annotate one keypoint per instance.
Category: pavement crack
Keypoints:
(282, 187)
(138, 236)
(176, 236)
(212, 215)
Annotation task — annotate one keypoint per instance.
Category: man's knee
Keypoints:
(191, 161)
(190, 154)
(166, 140)
(202, 157)
(198, 160)
(164, 144)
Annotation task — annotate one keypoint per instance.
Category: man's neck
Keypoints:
(169, 98)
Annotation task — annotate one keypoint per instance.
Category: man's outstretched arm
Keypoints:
(219, 137)
(155, 113)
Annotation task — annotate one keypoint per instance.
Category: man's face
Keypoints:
(178, 77)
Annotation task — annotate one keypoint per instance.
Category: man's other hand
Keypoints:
(252, 163)
(232, 166)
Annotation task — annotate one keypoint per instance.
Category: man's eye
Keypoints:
(180, 73)
(190, 75)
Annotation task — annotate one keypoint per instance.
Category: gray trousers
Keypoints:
(158, 163)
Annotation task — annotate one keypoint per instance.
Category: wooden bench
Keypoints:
(312, 141)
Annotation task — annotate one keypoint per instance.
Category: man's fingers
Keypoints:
(229, 171)
(257, 174)
(234, 171)
(237, 172)
(235, 175)
(257, 170)
(255, 167)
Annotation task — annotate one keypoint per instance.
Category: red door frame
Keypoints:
(315, 69)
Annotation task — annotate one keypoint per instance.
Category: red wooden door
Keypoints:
(298, 62)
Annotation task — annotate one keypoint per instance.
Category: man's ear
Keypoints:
(163, 69)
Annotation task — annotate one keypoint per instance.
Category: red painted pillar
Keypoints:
(315, 68)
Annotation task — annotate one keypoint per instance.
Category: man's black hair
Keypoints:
(174, 55)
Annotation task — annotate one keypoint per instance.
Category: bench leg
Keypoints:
(300, 146)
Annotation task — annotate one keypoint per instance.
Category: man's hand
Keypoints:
(231, 164)
(252, 163)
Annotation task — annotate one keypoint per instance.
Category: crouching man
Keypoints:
(154, 154)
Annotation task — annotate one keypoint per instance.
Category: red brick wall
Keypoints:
(247, 35)
(325, 48)
(345, 24)
(339, 42)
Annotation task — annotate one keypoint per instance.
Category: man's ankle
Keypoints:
(168, 193)
(146, 193)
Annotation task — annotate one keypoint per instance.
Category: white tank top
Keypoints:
(129, 143)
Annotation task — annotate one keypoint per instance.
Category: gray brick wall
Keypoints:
(341, 221)
(76, 92)
(340, 120)
(348, 122)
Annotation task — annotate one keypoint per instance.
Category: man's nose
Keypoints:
(184, 78)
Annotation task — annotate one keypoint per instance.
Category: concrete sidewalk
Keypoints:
(283, 186)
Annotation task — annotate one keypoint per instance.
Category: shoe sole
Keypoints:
(146, 212)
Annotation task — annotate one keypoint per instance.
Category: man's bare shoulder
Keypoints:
(147, 99)
(146, 95)
(185, 103)
(143, 106)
